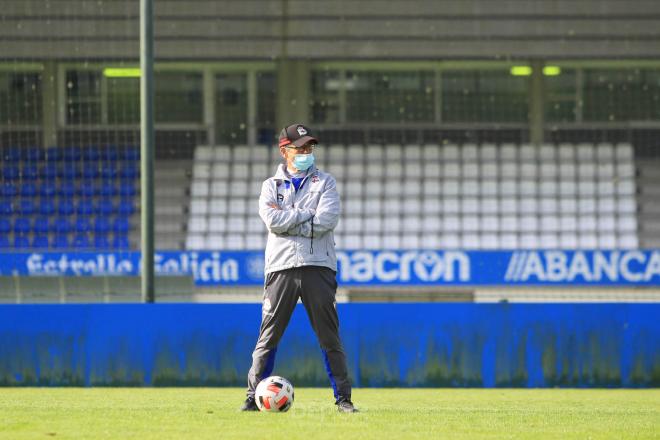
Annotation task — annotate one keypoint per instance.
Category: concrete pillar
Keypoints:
(579, 95)
(49, 104)
(536, 104)
(252, 102)
(293, 82)
(209, 106)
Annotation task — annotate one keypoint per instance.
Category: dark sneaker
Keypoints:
(345, 405)
(250, 405)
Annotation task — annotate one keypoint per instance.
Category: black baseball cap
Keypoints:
(296, 134)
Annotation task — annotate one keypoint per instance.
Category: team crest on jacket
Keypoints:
(315, 178)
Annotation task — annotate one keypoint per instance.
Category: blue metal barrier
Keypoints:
(480, 345)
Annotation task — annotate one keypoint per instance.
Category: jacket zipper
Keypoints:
(293, 205)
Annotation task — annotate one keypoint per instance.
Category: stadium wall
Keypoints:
(311, 29)
(421, 345)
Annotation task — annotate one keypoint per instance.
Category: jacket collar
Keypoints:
(282, 175)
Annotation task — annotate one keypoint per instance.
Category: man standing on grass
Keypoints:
(300, 207)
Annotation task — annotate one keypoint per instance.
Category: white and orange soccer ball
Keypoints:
(274, 394)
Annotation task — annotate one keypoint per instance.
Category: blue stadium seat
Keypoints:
(101, 241)
(5, 226)
(6, 207)
(91, 170)
(101, 225)
(22, 225)
(67, 189)
(121, 242)
(11, 172)
(121, 225)
(91, 154)
(41, 225)
(108, 188)
(131, 153)
(28, 189)
(47, 189)
(4, 242)
(53, 154)
(9, 189)
(129, 171)
(85, 207)
(46, 207)
(126, 207)
(105, 206)
(110, 154)
(12, 154)
(71, 154)
(83, 225)
(48, 171)
(127, 189)
(40, 241)
(108, 170)
(21, 242)
(35, 154)
(65, 207)
(88, 188)
(61, 241)
(81, 241)
(30, 172)
(69, 170)
(62, 225)
(26, 207)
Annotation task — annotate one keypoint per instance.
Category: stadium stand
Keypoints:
(62, 198)
(223, 194)
(508, 196)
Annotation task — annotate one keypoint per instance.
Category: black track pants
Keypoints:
(316, 286)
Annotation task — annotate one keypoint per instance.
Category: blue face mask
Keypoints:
(303, 161)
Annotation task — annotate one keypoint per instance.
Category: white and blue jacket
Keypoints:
(300, 233)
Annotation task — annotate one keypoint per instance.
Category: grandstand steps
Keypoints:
(171, 175)
(651, 215)
(649, 187)
(169, 233)
(169, 225)
(651, 226)
(649, 207)
(648, 201)
(165, 243)
(167, 209)
(171, 197)
(649, 168)
(168, 189)
(651, 243)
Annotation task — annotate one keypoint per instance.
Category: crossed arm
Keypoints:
(296, 221)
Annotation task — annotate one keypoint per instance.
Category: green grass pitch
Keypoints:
(212, 413)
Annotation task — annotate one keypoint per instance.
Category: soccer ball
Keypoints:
(274, 394)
